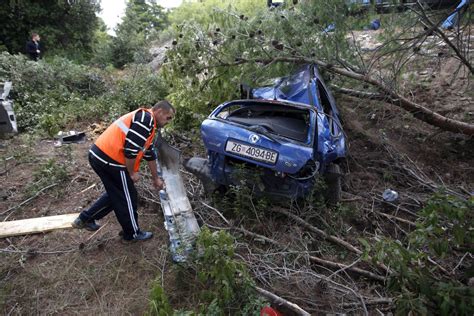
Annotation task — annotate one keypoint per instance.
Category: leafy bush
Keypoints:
(216, 51)
(49, 95)
(222, 283)
(140, 87)
(51, 171)
(445, 225)
(159, 304)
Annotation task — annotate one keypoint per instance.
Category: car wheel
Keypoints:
(333, 179)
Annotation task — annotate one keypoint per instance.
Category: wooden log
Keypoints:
(36, 225)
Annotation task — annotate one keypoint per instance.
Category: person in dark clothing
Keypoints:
(115, 157)
(33, 47)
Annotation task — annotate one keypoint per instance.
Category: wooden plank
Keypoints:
(36, 225)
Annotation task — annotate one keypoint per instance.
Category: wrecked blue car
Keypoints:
(288, 135)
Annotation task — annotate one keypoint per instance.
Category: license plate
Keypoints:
(252, 152)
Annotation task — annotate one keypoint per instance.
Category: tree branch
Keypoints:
(320, 232)
(420, 112)
(281, 301)
(434, 26)
(331, 264)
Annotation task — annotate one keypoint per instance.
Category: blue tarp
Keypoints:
(453, 19)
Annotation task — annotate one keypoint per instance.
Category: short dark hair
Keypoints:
(165, 105)
(33, 35)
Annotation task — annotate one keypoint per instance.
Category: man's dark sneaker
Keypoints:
(140, 236)
(90, 225)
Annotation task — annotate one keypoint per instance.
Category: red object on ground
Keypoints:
(268, 311)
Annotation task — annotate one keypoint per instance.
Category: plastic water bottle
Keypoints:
(390, 195)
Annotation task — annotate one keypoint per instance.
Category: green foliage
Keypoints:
(48, 173)
(47, 94)
(226, 285)
(445, 223)
(159, 305)
(140, 87)
(244, 198)
(213, 53)
(241, 198)
(222, 283)
(141, 20)
(24, 151)
(124, 47)
(143, 17)
(101, 47)
(51, 95)
(65, 27)
(199, 11)
(316, 198)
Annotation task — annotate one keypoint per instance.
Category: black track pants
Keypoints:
(120, 196)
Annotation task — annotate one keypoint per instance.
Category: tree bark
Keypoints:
(420, 112)
(281, 301)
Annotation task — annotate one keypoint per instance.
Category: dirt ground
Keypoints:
(72, 271)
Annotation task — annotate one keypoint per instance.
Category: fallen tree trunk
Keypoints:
(420, 112)
(417, 110)
(361, 94)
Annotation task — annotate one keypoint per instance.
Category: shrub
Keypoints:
(49, 95)
(159, 305)
(140, 87)
(222, 283)
(445, 225)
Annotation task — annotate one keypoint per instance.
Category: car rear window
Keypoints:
(277, 119)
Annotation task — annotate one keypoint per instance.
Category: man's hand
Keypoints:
(158, 183)
(135, 176)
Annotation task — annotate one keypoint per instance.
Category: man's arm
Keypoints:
(140, 130)
(130, 163)
(158, 183)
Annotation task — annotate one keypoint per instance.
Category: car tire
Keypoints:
(333, 180)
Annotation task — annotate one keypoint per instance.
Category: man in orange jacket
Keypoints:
(115, 157)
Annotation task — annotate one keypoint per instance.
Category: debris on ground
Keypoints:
(69, 138)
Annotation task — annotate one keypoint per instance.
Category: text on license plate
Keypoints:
(251, 152)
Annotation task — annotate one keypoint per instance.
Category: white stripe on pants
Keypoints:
(129, 202)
